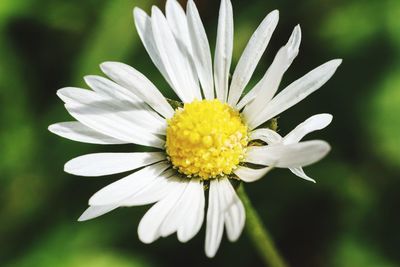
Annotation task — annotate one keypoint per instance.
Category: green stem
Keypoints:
(259, 234)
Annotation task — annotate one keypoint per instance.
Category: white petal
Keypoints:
(269, 84)
(166, 56)
(96, 211)
(145, 31)
(74, 130)
(295, 92)
(110, 89)
(234, 214)
(99, 164)
(111, 117)
(184, 213)
(250, 96)
(191, 225)
(201, 50)
(251, 175)
(267, 135)
(154, 191)
(300, 173)
(139, 85)
(314, 123)
(122, 189)
(149, 226)
(112, 124)
(137, 111)
(177, 21)
(251, 55)
(223, 50)
(215, 219)
(288, 156)
(173, 60)
(116, 93)
(73, 95)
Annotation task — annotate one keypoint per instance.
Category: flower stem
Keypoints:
(259, 234)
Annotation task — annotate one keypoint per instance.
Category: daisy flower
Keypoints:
(215, 136)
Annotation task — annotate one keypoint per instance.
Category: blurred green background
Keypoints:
(350, 218)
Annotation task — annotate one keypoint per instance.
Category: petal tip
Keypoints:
(84, 217)
(210, 254)
(274, 13)
(105, 65)
(63, 93)
(182, 238)
(60, 92)
(336, 62)
(297, 29)
(328, 118)
(226, 3)
(138, 12)
(324, 119)
(190, 5)
(68, 168)
(326, 147)
(81, 219)
(146, 239)
(155, 10)
(89, 79)
(52, 128)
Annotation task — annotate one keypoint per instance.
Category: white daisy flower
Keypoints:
(202, 145)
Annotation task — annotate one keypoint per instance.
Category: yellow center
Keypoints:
(206, 139)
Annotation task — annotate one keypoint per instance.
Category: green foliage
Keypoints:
(352, 253)
(68, 246)
(384, 119)
(350, 25)
(112, 39)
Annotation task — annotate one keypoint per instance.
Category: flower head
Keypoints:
(206, 148)
(218, 134)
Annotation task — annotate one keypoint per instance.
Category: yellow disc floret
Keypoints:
(206, 139)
